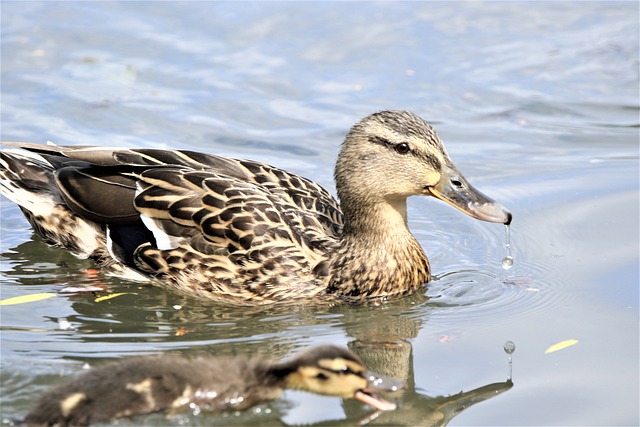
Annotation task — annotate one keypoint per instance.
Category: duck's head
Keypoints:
(336, 371)
(391, 155)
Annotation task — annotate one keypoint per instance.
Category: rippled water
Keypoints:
(538, 106)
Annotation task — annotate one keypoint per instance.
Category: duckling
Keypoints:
(143, 385)
(244, 232)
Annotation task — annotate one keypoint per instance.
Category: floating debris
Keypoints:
(107, 297)
(27, 298)
(561, 346)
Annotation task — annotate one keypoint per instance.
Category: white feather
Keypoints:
(89, 237)
(164, 241)
(41, 204)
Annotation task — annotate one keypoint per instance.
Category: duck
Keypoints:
(147, 384)
(245, 232)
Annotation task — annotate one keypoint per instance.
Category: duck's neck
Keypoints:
(378, 255)
(284, 375)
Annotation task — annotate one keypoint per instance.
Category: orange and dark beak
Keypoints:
(454, 189)
(377, 382)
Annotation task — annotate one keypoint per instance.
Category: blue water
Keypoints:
(537, 103)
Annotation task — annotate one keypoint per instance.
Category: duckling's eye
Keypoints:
(322, 377)
(402, 148)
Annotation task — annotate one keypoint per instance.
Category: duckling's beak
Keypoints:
(454, 189)
(376, 382)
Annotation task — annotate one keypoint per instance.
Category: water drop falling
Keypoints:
(509, 348)
(507, 261)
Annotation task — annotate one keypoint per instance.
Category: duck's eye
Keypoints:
(402, 148)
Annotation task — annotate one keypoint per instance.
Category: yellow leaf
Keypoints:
(27, 298)
(560, 346)
(106, 297)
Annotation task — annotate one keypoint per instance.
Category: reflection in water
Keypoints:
(149, 320)
(390, 354)
(421, 410)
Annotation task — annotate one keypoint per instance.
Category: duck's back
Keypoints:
(244, 228)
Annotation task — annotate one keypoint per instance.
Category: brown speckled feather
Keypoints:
(250, 237)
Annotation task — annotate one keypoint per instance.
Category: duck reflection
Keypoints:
(148, 320)
(395, 358)
(386, 350)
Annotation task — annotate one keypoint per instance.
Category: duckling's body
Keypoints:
(166, 383)
(242, 231)
(152, 384)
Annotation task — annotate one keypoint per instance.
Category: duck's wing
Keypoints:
(115, 171)
(167, 209)
(220, 214)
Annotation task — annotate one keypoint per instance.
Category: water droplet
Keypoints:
(507, 262)
(509, 347)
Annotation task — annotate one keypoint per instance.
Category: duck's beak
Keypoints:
(454, 189)
(376, 382)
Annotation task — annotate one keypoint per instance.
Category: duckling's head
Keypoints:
(391, 155)
(336, 371)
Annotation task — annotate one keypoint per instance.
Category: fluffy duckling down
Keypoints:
(143, 385)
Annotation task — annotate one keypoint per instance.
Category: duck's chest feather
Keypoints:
(377, 269)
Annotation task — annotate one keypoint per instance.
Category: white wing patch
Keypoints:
(164, 241)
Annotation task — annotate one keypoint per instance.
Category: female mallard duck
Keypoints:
(144, 385)
(242, 231)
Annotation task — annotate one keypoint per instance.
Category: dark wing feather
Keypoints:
(229, 222)
(99, 194)
(305, 194)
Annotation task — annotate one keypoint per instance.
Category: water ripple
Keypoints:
(464, 295)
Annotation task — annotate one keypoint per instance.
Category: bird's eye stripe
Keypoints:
(348, 371)
(340, 366)
(379, 140)
(401, 148)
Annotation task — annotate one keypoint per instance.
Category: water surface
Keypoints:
(536, 102)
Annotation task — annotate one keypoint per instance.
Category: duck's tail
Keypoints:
(28, 179)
